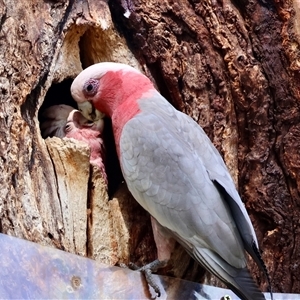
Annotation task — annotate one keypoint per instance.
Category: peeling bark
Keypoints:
(231, 65)
(49, 192)
(234, 68)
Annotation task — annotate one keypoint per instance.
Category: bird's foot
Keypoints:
(147, 270)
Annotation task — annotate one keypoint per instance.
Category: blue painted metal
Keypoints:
(32, 271)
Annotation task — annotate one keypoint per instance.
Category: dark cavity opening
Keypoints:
(59, 93)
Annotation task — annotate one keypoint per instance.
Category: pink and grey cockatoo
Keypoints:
(173, 170)
(65, 121)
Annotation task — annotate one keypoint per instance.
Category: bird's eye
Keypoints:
(68, 127)
(90, 87)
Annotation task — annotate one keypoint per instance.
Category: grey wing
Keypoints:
(170, 181)
(194, 136)
(219, 174)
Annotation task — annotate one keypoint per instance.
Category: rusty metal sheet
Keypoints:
(32, 271)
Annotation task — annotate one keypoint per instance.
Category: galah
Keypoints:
(173, 170)
(65, 121)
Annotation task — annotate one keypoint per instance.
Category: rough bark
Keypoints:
(234, 67)
(49, 192)
(231, 65)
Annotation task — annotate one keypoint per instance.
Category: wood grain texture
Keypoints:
(234, 67)
(231, 65)
(49, 192)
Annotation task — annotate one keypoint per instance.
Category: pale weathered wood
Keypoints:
(232, 65)
(49, 192)
(71, 165)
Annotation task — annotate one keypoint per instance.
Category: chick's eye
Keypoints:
(68, 127)
(90, 87)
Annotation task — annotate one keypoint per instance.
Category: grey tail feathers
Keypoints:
(239, 281)
(261, 263)
(249, 243)
(247, 286)
(255, 254)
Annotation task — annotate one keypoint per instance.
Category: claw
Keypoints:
(150, 280)
(147, 270)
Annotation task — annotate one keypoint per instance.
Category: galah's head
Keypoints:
(102, 86)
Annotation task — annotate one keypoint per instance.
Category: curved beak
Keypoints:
(89, 111)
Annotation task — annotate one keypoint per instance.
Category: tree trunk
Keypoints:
(234, 67)
(49, 192)
(231, 65)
